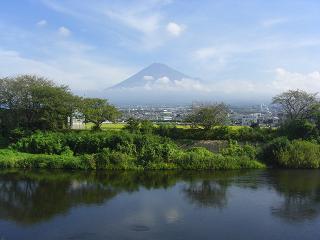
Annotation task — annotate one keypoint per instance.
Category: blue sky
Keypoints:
(236, 47)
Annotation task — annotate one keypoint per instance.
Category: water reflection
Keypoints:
(207, 193)
(30, 197)
(300, 192)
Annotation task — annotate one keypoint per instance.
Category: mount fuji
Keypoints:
(154, 75)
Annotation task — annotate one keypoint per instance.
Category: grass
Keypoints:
(107, 126)
(199, 159)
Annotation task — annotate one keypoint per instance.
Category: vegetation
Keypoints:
(241, 134)
(35, 116)
(296, 104)
(30, 103)
(208, 116)
(296, 154)
(102, 150)
(97, 111)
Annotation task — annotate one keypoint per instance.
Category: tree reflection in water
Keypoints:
(207, 194)
(29, 197)
(300, 191)
(26, 199)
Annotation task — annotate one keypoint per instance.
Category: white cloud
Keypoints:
(138, 24)
(175, 29)
(184, 84)
(283, 80)
(63, 31)
(148, 78)
(273, 22)
(205, 53)
(163, 81)
(42, 23)
(286, 80)
(78, 71)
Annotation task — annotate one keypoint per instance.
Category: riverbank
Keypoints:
(124, 150)
(195, 159)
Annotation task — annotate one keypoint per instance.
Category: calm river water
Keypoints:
(268, 204)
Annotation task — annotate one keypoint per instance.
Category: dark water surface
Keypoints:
(271, 204)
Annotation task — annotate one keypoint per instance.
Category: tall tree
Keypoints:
(208, 116)
(296, 104)
(97, 111)
(33, 102)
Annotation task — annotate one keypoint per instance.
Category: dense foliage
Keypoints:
(295, 154)
(124, 150)
(208, 116)
(32, 102)
(35, 117)
(296, 104)
(97, 111)
(244, 134)
(29, 103)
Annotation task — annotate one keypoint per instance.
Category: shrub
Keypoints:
(87, 161)
(296, 154)
(218, 133)
(17, 133)
(300, 154)
(102, 159)
(270, 153)
(235, 150)
(3, 141)
(124, 150)
(299, 129)
(146, 127)
(50, 143)
(201, 158)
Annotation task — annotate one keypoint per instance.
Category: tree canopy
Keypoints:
(30, 102)
(296, 104)
(33, 102)
(208, 116)
(97, 111)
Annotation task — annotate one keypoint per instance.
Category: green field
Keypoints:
(119, 126)
(108, 126)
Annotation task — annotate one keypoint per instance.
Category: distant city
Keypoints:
(262, 115)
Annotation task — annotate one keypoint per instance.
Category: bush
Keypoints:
(114, 160)
(270, 153)
(300, 154)
(299, 129)
(201, 158)
(235, 150)
(3, 141)
(296, 154)
(50, 143)
(218, 133)
(17, 133)
(124, 150)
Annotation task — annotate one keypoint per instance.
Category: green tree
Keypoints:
(97, 111)
(133, 125)
(32, 102)
(296, 104)
(208, 116)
